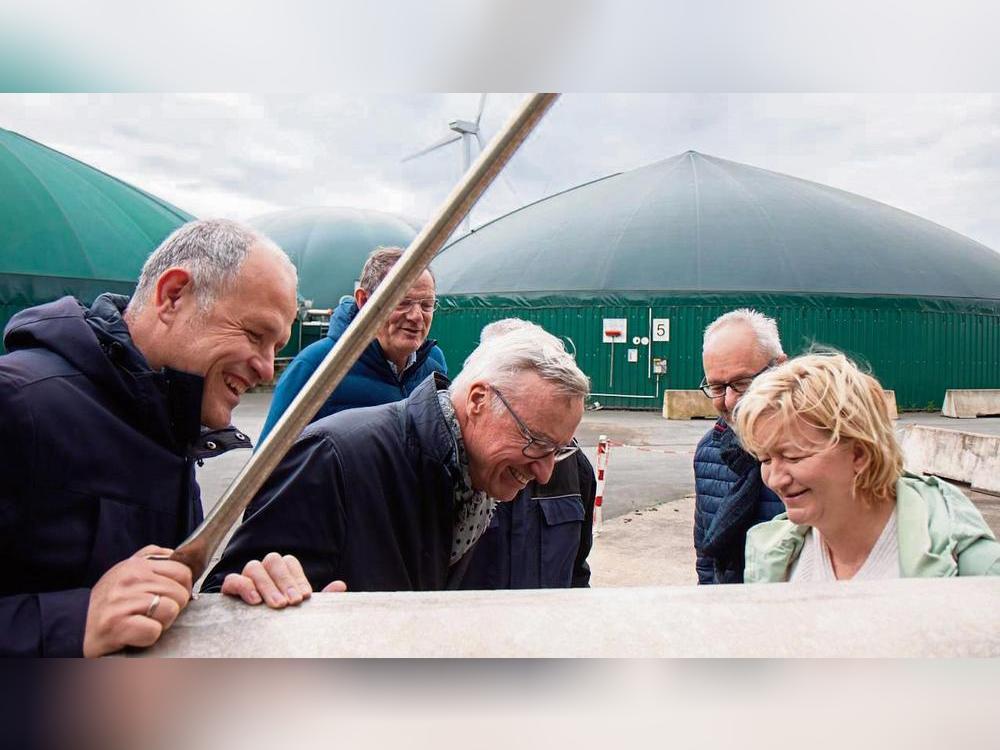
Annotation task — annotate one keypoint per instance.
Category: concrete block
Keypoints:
(966, 457)
(687, 405)
(971, 403)
(890, 402)
(954, 617)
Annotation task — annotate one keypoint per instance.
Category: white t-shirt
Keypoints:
(814, 563)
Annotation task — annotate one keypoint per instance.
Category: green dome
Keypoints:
(67, 228)
(329, 245)
(695, 223)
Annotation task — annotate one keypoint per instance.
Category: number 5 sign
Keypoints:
(661, 329)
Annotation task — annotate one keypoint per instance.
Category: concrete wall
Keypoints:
(693, 404)
(968, 404)
(687, 405)
(962, 456)
(902, 618)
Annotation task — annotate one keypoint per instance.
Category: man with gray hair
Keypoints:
(396, 361)
(102, 415)
(730, 496)
(393, 497)
(542, 538)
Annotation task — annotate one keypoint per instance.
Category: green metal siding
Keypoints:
(919, 348)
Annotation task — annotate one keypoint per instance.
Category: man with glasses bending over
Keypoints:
(730, 495)
(395, 362)
(394, 497)
(543, 538)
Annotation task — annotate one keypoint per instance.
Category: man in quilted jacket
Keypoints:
(730, 496)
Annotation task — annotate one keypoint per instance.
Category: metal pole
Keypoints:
(466, 160)
(197, 549)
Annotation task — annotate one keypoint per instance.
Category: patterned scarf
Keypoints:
(473, 509)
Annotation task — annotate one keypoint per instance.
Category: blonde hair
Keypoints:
(829, 392)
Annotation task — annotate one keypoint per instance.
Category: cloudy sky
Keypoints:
(239, 155)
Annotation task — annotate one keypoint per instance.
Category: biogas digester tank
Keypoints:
(68, 228)
(653, 255)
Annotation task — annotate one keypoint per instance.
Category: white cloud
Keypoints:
(241, 155)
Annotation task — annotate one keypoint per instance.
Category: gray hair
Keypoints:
(380, 261)
(506, 325)
(212, 250)
(504, 355)
(765, 330)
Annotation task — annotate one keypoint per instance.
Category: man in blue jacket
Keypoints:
(102, 410)
(542, 538)
(394, 497)
(395, 362)
(730, 496)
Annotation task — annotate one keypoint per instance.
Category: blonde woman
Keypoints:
(821, 430)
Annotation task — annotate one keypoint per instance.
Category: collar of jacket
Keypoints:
(372, 356)
(211, 443)
(430, 426)
(170, 399)
(771, 548)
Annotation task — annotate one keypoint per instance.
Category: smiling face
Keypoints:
(732, 354)
(495, 442)
(815, 480)
(405, 330)
(233, 344)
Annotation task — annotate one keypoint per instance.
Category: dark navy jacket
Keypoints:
(95, 461)
(365, 496)
(730, 499)
(542, 538)
(369, 382)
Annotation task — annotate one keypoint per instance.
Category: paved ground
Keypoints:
(648, 505)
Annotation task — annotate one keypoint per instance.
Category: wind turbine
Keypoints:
(465, 131)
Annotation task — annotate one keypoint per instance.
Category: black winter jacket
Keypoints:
(365, 496)
(97, 460)
(542, 538)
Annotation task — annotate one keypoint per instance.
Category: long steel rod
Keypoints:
(197, 549)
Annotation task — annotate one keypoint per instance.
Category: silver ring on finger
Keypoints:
(151, 609)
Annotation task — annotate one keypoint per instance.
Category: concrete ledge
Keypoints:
(962, 456)
(968, 404)
(687, 405)
(693, 405)
(890, 402)
(904, 618)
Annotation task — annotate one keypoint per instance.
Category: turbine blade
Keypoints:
(503, 177)
(510, 187)
(482, 106)
(443, 142)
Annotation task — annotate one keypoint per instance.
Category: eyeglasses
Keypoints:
(718, 390)
(428, 305)
(537, 448)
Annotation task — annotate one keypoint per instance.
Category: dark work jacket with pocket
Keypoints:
(97, 454)
(540, 539)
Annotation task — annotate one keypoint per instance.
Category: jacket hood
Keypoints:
(96, 341)
(92, 340)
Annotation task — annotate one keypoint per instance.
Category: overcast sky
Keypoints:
(937, 156)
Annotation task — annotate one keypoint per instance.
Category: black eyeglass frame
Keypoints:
(705, 385)
(558, 452)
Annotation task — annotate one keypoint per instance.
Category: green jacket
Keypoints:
(941, 533)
